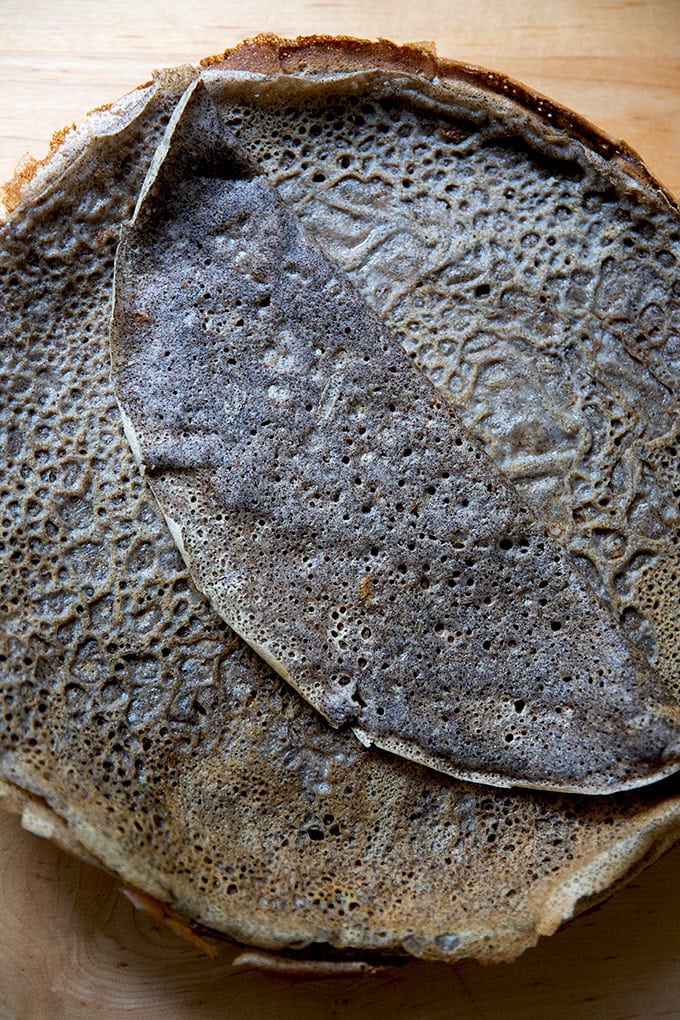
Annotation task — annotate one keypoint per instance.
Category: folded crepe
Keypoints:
(336, 512)
(138, 730)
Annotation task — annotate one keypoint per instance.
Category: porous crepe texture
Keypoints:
(533, 281)
(329, 502)
(140, 732)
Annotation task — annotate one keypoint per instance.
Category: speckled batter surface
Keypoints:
(335, 511)
(174, 756)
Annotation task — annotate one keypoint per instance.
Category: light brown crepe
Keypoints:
(138, 731)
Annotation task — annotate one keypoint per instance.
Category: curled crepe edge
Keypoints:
(271, 55)
(587, 884)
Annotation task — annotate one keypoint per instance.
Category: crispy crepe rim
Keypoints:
(269, 54)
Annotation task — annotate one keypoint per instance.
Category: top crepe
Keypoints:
(336, 511)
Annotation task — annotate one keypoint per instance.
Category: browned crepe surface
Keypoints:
(333, 507)
(174, 756)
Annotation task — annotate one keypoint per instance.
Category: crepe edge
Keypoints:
(587, 884)
(311, 55)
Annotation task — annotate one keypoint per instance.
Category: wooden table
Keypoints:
(70, 946)
(616, 62)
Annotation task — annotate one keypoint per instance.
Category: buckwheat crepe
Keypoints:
(336, 512)
(137, 729)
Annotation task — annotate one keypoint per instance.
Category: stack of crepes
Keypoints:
(394, 361)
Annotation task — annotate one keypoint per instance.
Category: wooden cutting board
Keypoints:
(70, 946)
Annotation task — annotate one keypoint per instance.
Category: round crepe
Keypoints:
(137, 730)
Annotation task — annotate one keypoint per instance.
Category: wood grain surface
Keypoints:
(70, 945)
(617, 63)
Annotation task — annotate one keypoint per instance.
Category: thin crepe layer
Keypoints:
(338, 515)
(512, 249)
